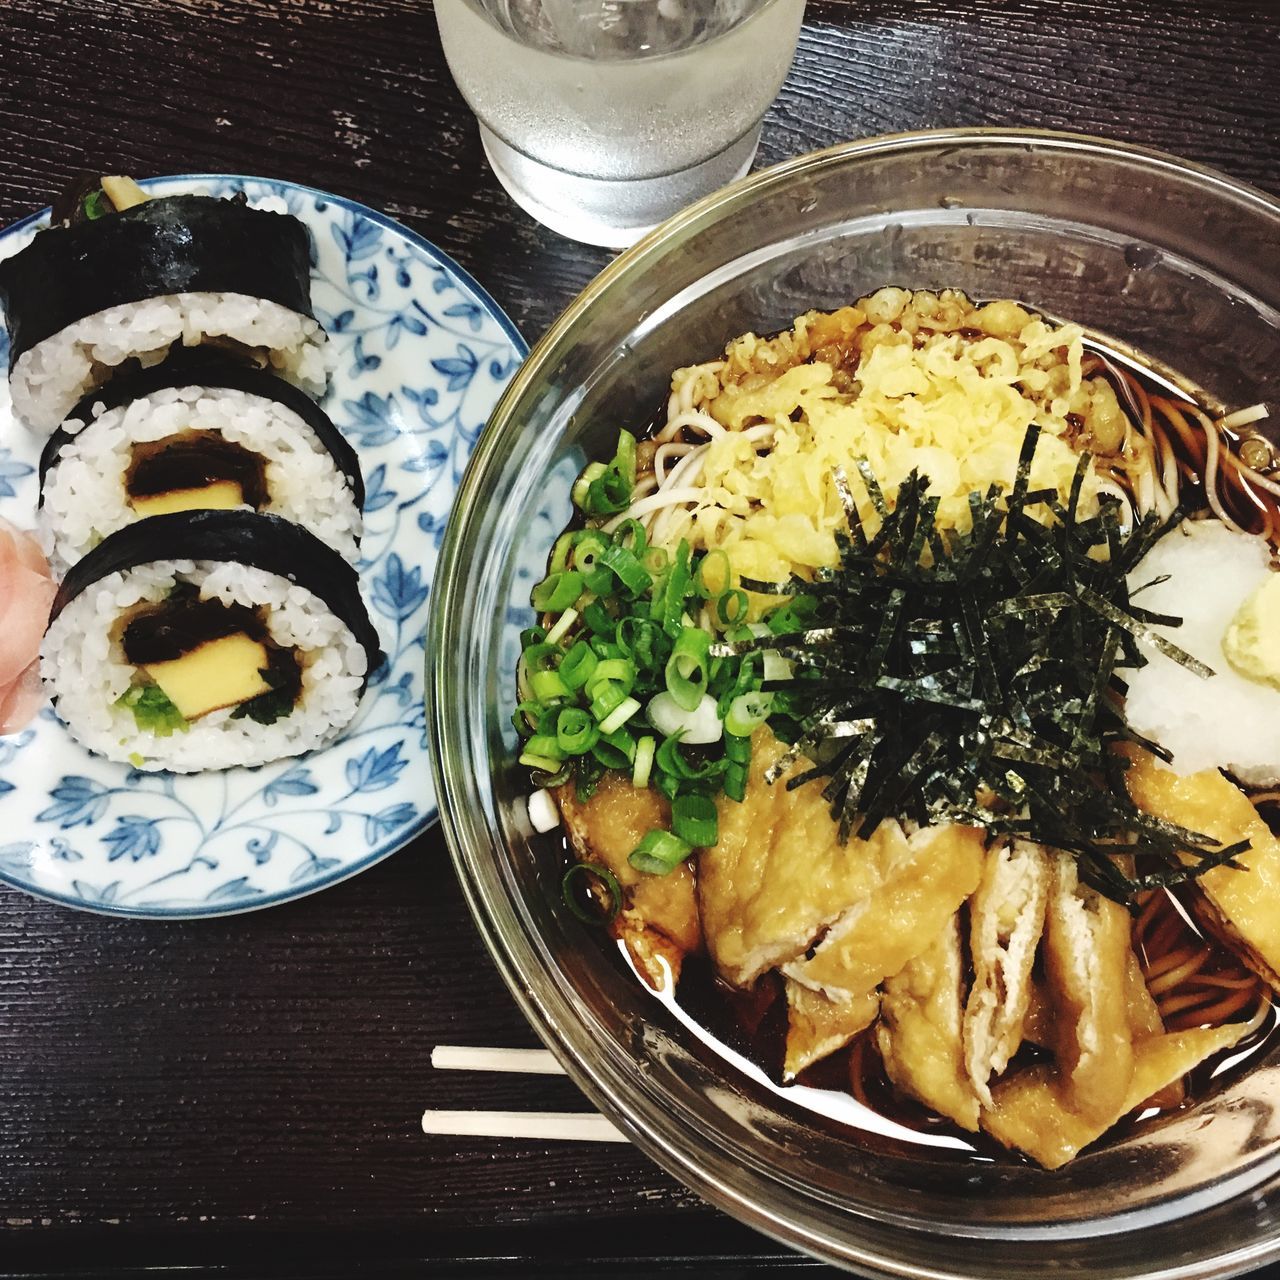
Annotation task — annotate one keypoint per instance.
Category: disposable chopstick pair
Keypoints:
(567, 1126)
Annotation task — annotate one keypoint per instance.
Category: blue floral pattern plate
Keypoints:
(422, 354)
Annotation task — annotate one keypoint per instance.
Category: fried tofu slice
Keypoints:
(1242, 906)
(1087, 953)
(1031, 1113)
(778, 878)
(659, 920)
(920, 891)
(920, 1033)
(1037, 1026)
(1144, 1016)
(1140, 1006)
(818, 1026)
(1006, 919)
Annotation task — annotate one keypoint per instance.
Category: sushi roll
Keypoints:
(119, 279)
(198, 431)
(207, 639)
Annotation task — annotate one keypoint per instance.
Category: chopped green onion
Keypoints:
(598, 619)
(548, 686)
(609, 490)
(734, 782)
(694, 820)
(592, 471)
(776, 667)
(544, 763)
(606, 700)
(620, 671)
(525, 717)
(619, 715)
(736, 597)
(557, 591)
(643, 764)
(577, 666)
(629, 571)
(671, 762)
(659, 853)
(634, 530)
(540, 657)
(545, 745)
(641, 639)
(576, 732)
(560, 553)
(747, 712)
(721, 576)
(688, 668)
(615, 750)
(594, 874)
(795, 615)
(588, 546)
(669, 603)
(587, 772)
(541, 778)
(561, 628)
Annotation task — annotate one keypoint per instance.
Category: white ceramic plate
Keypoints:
(422, 353)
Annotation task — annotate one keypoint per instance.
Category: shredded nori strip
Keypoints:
(971, 677)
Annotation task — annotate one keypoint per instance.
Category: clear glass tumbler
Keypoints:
(602, 118)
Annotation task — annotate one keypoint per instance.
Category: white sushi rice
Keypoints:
(1224, 721)
(83, 664)
(48, 380)
(85, 497)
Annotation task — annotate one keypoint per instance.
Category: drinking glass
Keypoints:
(602, 118)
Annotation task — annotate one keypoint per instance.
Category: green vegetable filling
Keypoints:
(152, 710)
(267, 708)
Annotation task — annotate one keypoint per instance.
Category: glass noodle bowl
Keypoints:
(1151, 255)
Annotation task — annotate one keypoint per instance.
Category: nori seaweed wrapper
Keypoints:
(173, 244)
(212, 367)
(263, 542)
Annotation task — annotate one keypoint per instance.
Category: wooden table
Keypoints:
(244, 1094)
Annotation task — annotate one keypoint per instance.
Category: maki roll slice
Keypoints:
(198, 431)
(119, 279)
(208, 639)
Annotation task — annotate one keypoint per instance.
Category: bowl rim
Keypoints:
(595, 1076)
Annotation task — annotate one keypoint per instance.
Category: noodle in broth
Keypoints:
(1170, 457)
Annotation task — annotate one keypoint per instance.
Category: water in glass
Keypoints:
(603, 117)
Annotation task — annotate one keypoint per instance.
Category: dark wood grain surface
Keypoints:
(244, 1094)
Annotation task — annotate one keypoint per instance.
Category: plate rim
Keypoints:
(429, 817)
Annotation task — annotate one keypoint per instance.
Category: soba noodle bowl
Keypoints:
(851, 695)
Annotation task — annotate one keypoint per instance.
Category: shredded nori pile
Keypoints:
(972, 678)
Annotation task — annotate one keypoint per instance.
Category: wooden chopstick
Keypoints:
(564, 1126)
(465, 1057)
